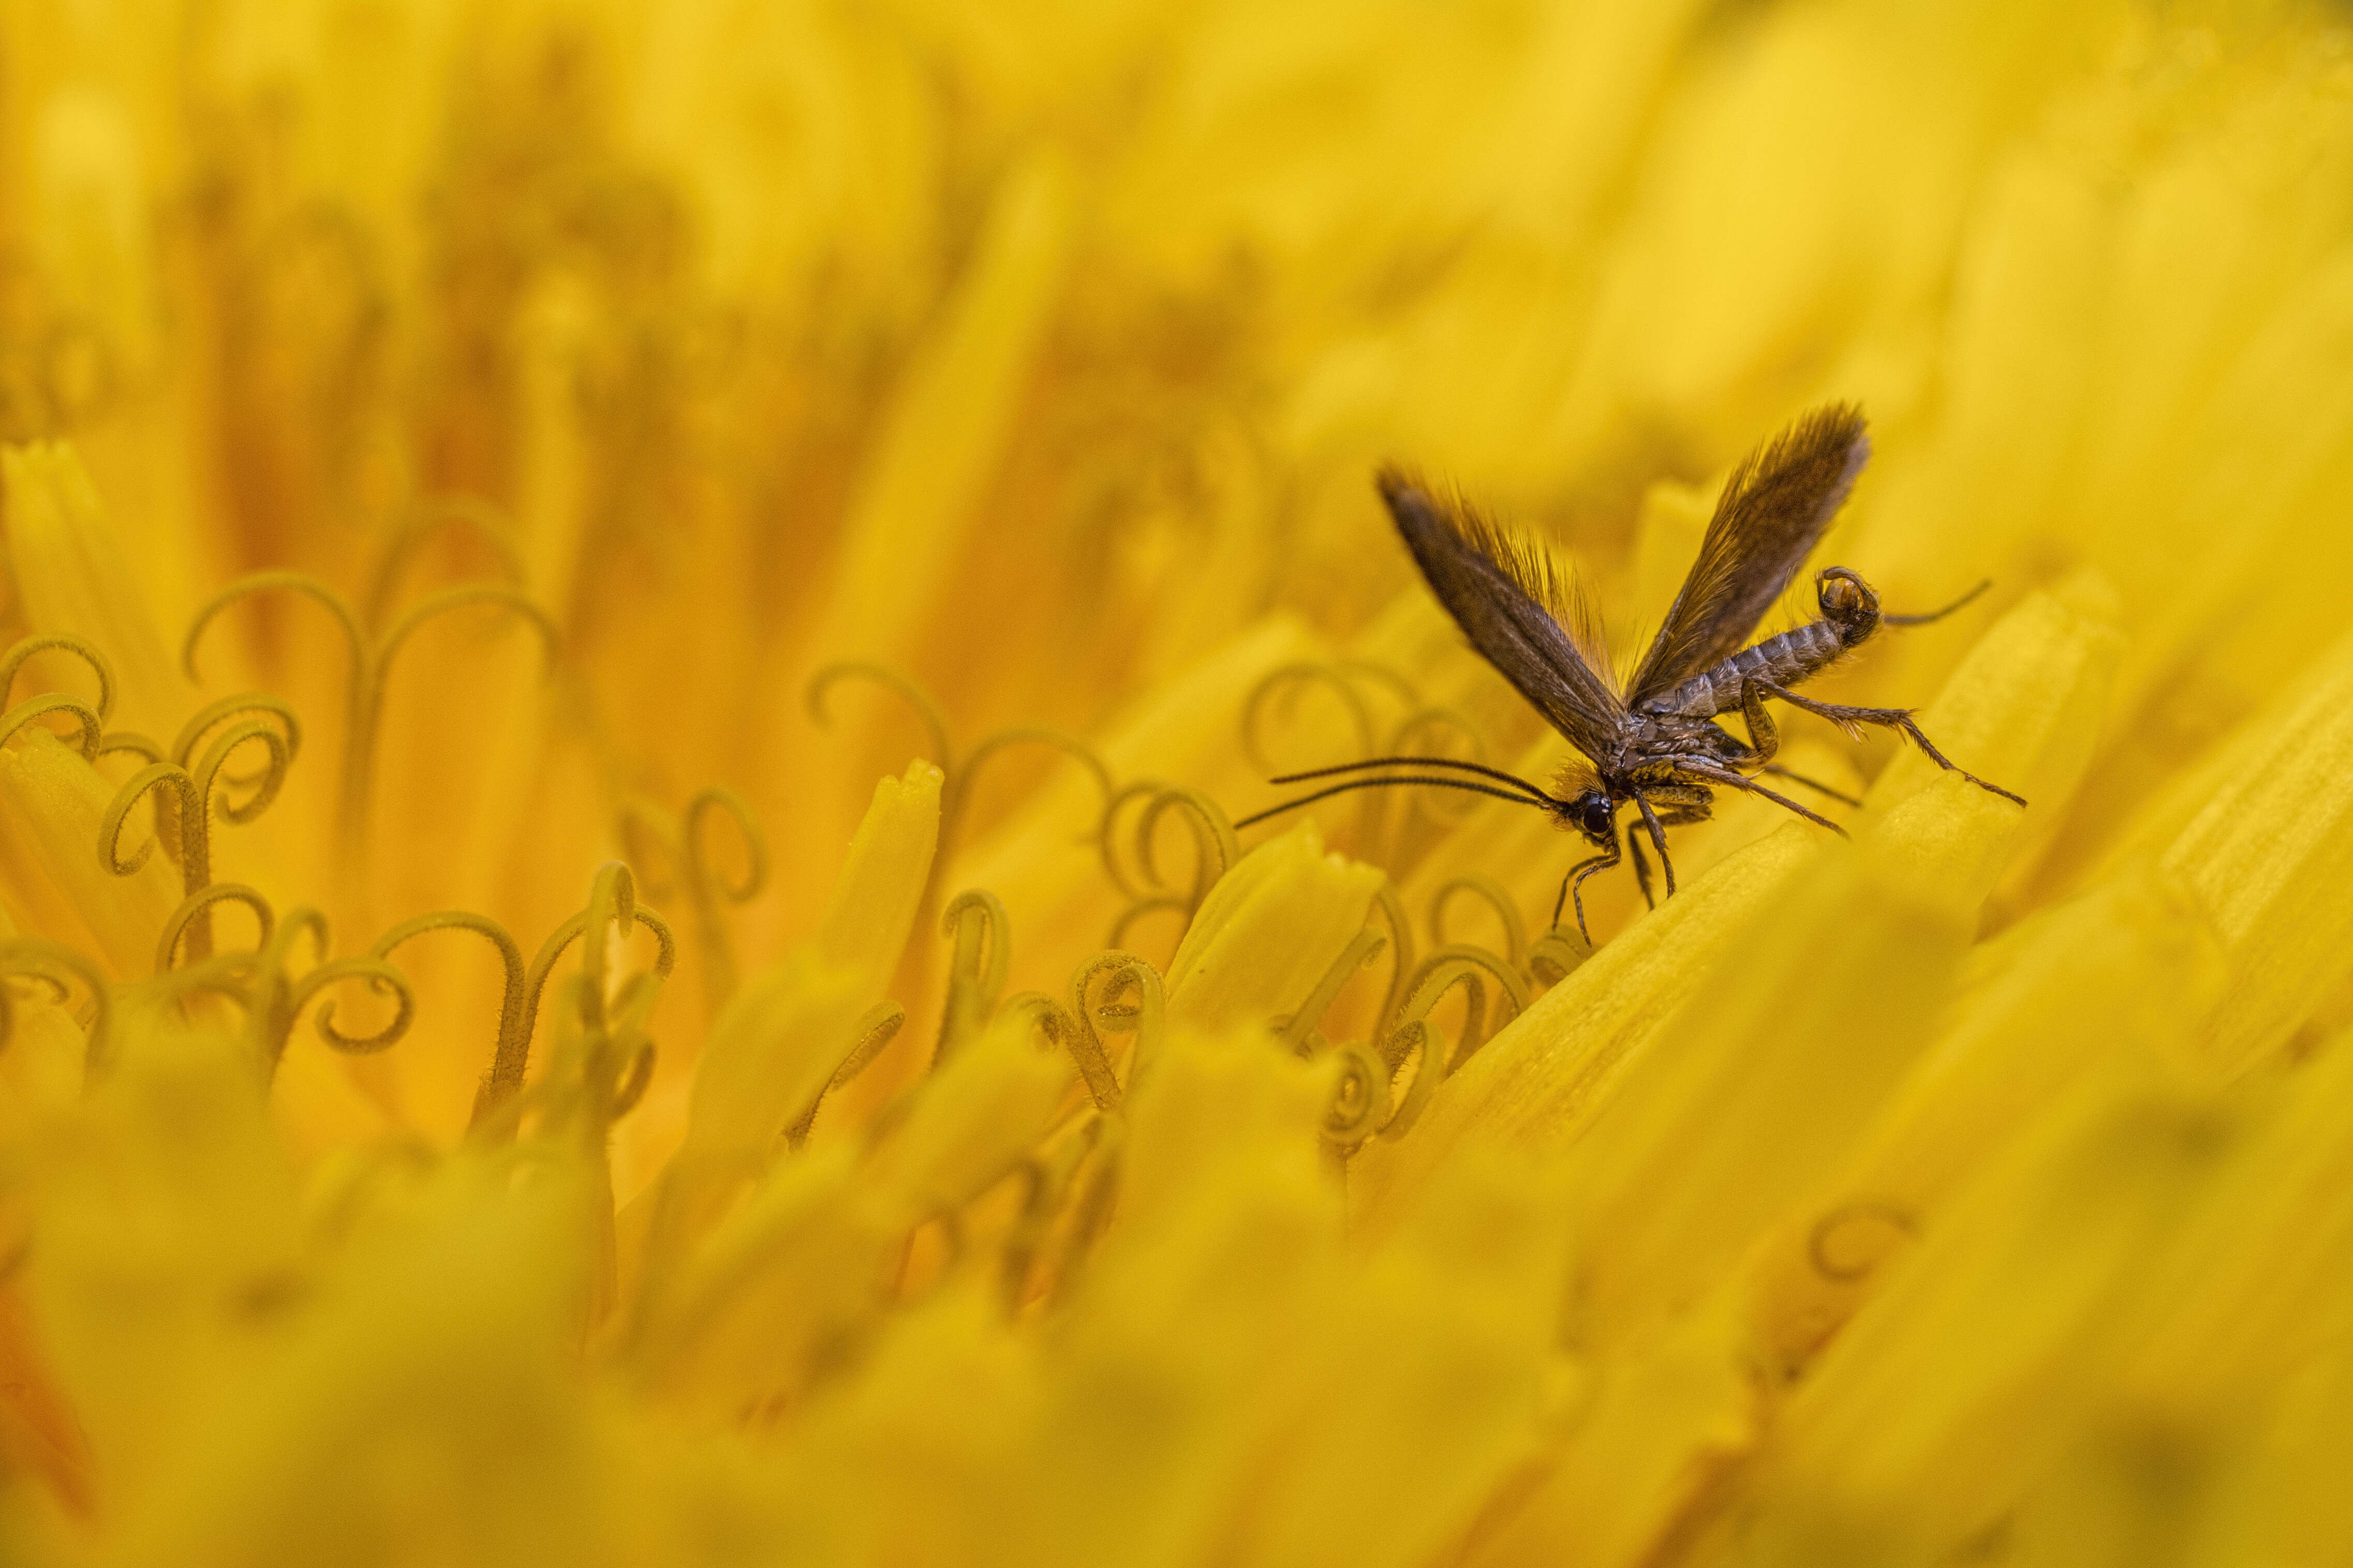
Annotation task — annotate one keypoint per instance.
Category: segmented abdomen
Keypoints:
(1783, 661)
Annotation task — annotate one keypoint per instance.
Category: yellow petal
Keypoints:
(2128, 971)
(1764, 1082)
(1983, 1359)
(916, 498)
(1268, 932)
(774, 1047)
(1535, 1082)
(881, 884)
(972, 1120)
(2024, 710)
(70, 569)
(51, 803)
(2271, 857)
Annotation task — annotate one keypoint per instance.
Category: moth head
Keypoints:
(1591, 812)
(1845, 597)
(1581, 804)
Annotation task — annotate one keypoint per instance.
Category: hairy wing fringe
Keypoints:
(1530, 563)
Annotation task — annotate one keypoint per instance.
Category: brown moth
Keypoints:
(1655, 742)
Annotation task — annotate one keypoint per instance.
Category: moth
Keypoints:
(1657, 740)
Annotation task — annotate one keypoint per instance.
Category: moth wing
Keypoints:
(1521, 614)
(1775, 509)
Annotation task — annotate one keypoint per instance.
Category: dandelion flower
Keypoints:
(635, 635)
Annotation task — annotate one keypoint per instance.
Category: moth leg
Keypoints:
(1848, 719)
(1779, 771)
(1684, 802)
(1764, 740)
(1658, 841)
(1642, 870)
(1572, 887)
(1741, 782)
(1561, 902)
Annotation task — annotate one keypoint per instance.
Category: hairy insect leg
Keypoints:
(1777, 770)
(1764, 740)
(1685, 802)
(1741, 782)
(1893, 718)
(1658, 841)
(1572, 887)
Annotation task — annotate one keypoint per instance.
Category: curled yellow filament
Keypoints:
(1853, 1239)
(212, 715)
(1055, 1023)
(194, 799)
(1285, 682)
(619, 1061)
(1298, 1029)
(1458, 965)
(1422, 734)
(1110, 1014)
(369, 658)
(1360, 1096)
(380, 976)
(966, 773)
(32, 709)
(1400, 685)
(1279, 687)
(1401, 948)
(130, 740)
(1445, 969)
(167, 945)
(167, 819)
(274, 998)
(927, 710)
(513, 1043)
(976, 921)
(636, 1076)
(683, 845)
(1108, 838)
(1413, 1037)
(612, 902)
(423, 519)
(89, 720)
(875, 1028)
(1488, 892)
(37, 958)
(12, 662)
(1555, 955)
(960, 772)
(1215, 850)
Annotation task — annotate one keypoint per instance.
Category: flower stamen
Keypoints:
(38, 958)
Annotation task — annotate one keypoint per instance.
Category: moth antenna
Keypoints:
(1887, 620)
(1479, 768)
(1382, 784)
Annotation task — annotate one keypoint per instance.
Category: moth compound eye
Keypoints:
(1594, 816)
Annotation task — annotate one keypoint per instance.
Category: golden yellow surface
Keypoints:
(643, 625)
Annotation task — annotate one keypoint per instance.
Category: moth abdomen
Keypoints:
(1780, 660)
